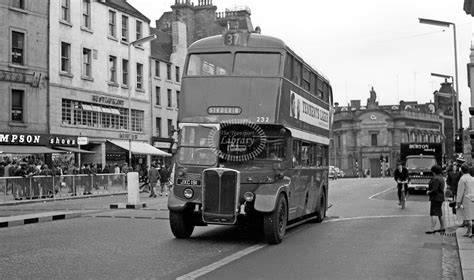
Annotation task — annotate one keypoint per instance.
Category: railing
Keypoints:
(39, 187)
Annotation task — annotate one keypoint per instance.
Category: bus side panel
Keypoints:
(266, 195)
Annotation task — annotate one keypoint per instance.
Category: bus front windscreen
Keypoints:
(195, 145)
(255, 64)
(420, 163)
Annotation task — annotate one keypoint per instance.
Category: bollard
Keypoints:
(133, 194)
(133, 190)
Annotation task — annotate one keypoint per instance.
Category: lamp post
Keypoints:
(446, 77)
(134, 44)
(447, 24)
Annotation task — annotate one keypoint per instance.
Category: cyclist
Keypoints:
(401, 177)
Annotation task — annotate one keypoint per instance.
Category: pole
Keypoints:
(458, 121)
(129, 106)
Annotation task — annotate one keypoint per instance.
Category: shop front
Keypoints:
(167, 145)
(31, 147)
(118, 151)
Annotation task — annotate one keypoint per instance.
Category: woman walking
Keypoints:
(154, 176)
(436, 193)
(465, 197)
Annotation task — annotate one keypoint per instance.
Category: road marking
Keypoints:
(372, 217)
(205, 270)
(372, 197)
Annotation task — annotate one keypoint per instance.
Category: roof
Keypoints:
(255, 40)
(161, 47)
(124, 6)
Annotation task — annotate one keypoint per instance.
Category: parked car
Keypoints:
(332, 173)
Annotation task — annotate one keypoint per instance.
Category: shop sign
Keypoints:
(128, 136)
(82, 140)
(162, 145)
(32, 79)
(108, 100)
(62, 141)
(19, 139)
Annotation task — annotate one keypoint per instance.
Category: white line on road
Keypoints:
(200, 272)
(372, 217)
(372, 197)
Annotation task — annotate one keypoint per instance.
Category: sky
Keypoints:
(367, 43)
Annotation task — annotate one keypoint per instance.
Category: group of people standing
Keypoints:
(459, 189)
(159, 177)
(460, 183)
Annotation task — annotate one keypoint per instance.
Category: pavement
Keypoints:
(48, 210)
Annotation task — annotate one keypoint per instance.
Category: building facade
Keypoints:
(168, 54)
(97, 78)
(366, 139)
(24, 67)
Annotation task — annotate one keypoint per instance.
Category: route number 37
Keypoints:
(263, 119)
(232, 39)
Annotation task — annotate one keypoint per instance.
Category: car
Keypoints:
(332, 173)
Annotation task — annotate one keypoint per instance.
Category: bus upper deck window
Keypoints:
(209, 64)
(257, 64)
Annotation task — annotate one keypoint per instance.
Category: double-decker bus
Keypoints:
(254, 126)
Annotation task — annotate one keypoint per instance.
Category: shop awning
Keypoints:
(75, 150)
(140, 148)
(20, 149)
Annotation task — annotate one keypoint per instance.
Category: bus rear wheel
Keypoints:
(321, 213)
(274, 223)
(181, 224)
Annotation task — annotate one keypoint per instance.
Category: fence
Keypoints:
(24, 188)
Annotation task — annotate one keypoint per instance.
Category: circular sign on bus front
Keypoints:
(238, 140)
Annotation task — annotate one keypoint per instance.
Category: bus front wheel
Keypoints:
(181, 224)
(274, 223)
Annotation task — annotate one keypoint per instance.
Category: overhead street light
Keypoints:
(447, 24)
(130, 65)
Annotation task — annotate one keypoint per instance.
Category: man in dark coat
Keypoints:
(436, 193)
(401, 177)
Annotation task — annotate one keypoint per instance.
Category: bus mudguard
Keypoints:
(176, 204)
(266, 195)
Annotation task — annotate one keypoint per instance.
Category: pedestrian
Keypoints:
(465, 199)
(154, 176)
(401, 177)
(436, 194)
(86, 170)
(3, 185)
(452, 180)
(164, 177)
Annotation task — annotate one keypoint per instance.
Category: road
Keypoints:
(366, 236)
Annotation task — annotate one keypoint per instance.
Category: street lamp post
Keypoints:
(447, 24)
(134, 44)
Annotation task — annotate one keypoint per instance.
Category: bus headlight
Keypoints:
(249, 196)
(280, 175)
(188, 193)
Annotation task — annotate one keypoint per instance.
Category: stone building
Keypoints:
(96, 76)
(23, 68)
(176, 30)
(368, 137)
(202, 20)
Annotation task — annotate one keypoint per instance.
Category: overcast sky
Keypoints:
(364, 43)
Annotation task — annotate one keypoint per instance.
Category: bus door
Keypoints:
(297, 188)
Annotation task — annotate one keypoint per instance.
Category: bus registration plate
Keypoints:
(188, 182)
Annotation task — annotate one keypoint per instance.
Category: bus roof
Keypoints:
(255, 41)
